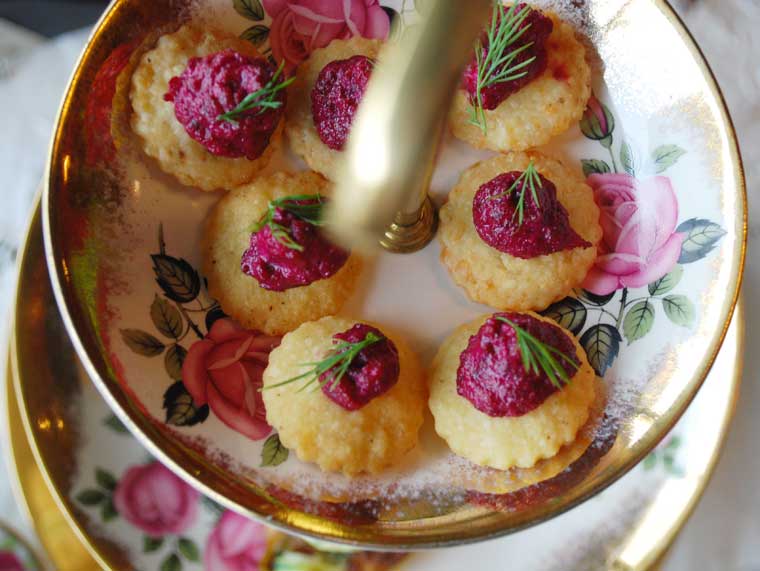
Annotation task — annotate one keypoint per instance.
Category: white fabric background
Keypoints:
(724, 532)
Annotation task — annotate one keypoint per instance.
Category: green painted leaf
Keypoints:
(115, 424)
(176, 277)
(594, 299)
(105, 479)
(151, 544)
(274, 453)
(701, 238)
(172, 563)
(679, 310)
(638, 321)
(166, 318)
(650, 461)
(213, 506)
(569, 313)
(188, 548)
(666, 156)
(674, 443)
(173, 359)
(667, 282)
(257, 35)
(628, 159)
(108, 511)
(142, 343)
(90, 497)
(594, 166)
(602, 345)
(213, 315)
(249, 9)
(180, 409)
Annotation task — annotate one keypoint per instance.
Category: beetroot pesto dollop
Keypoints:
(372, 372)
(213, 85)
(335, 98)
(544, 227)
(491, 374)
(533, 33)
(290, 252)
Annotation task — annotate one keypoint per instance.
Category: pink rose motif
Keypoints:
(225, 370)
(639, 220)
(154, 500)
(301, 26)
(9, 562)
(236, 544)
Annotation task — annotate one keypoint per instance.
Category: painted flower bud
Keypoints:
(598, 122)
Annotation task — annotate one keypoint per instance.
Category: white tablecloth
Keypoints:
(724, 533)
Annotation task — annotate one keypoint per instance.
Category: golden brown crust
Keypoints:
(506, 442)
(543, 109)
(163, 137)
(299, 123)
(318, 430)
(227, 236)
(503, 281)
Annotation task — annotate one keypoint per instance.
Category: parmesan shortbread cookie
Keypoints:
(227, 236)
(503, 281)
(299, 123)
(509, 441)
(164, 138)
(318, 430)
(544, 108)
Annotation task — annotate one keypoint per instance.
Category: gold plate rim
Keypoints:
(19, 446)
(171, 455)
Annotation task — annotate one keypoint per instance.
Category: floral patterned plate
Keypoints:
(122, 243)
(133, 513)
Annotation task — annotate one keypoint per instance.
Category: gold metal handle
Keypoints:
(381, 196)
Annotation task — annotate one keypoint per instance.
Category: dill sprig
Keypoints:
(496, 57)
(263, 98)
(528, 180)
(539, 357)
(337, 361)
(311, 213)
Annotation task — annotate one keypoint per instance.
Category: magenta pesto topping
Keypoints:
(519, 28)
(336, 96)
(508, 217)
(287, 248)
(216, 84)
(492, 375)
(372, 371)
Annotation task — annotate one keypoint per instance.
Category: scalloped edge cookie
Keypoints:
(163, 137)
(227, 235)
(506, 442)
(366, 440)
(299, 123)
(543, 109)
(506, 282)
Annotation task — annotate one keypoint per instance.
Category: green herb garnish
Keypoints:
(528, 180)
(539, 357)
(338, 360)
(496, 57)
(262, 99)
(311, 213)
